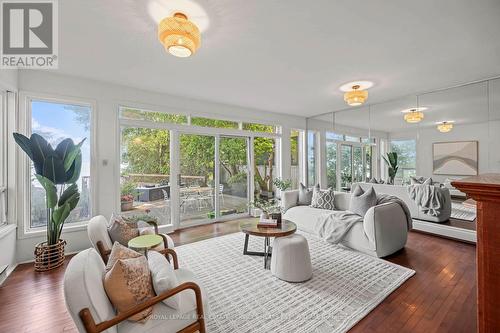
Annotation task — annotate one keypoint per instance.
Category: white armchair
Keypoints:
(99, 237)
(92, 312)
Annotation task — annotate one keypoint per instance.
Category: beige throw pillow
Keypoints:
(127, 284)
(119, 251)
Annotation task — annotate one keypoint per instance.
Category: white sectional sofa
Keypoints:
(383, 231)
(401, 191)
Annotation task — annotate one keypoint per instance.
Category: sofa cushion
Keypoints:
(323, 199)
(128, 283)
(163, 276)
(305, 195)
(361, 201)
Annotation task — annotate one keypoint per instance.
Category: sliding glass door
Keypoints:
(233, 175)
(197, 188)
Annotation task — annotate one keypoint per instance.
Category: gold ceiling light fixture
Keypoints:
(179, 36)
(445, 126)
(414, 116)
(356, 96)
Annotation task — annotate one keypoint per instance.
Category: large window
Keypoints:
(56, 121)
(145, 173)
(295, 150)
(407, 159)
(311, 158)
(3, 158)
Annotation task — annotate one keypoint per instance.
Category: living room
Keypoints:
(256, 185)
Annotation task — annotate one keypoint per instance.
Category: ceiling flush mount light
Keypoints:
(445, 126)
(355, 93)
(179, 36)
(414, 115)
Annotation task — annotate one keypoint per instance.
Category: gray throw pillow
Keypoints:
(373, 181)
(323, 199)
(421, 180)
(361, 201)
(305, 195)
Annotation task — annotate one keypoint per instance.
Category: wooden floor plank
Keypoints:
(440, 297)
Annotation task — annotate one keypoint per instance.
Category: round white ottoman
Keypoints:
(290, 260)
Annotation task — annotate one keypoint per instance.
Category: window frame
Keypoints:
(177, 129)
(3, 158)
(24, 176)
(390, 149)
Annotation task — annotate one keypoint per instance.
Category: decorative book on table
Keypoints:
(267, 223)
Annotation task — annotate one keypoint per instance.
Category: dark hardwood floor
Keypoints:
(440, 297)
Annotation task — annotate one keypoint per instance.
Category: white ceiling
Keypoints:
(287, 56)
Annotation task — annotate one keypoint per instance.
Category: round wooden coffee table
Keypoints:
(250, 228)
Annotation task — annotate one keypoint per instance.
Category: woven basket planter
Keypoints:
(48, 257)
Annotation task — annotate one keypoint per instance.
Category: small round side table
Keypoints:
(145, 243)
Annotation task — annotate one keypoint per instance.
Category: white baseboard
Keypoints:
(7, 272)
(445, 230)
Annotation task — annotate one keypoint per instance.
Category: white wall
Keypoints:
(107, 98)
(486, 133)
(8, 79)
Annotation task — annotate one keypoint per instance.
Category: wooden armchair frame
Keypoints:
(104, 252)
(198, 326)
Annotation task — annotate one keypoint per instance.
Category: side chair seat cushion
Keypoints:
(166, 319)
(84, 288)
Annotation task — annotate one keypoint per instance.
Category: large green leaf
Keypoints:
(50, 190)
(68, 192)
(71, 155)
(53, 169)
(64, 147)
(40, 149)
(61, 214)
(25, 144)
(73, 173)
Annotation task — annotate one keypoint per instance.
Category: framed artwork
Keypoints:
(457, 158)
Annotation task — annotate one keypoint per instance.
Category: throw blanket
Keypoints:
(427, 197)
(333, 226)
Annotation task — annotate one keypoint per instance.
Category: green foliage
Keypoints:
(147, 151)
(267, 206)
(392, 162)
(128, 188)
(282, 184)
(54, 168)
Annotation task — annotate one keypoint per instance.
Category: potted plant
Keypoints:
(282, 184)
(269, 209)
(57, 170)
(392, 162)
(128, 193)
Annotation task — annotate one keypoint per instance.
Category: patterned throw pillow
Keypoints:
(323, 199)
(120, 230)
(127, 284)
(118, 252)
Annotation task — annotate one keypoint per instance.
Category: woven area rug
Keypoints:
(243, 297)
(462, 212)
